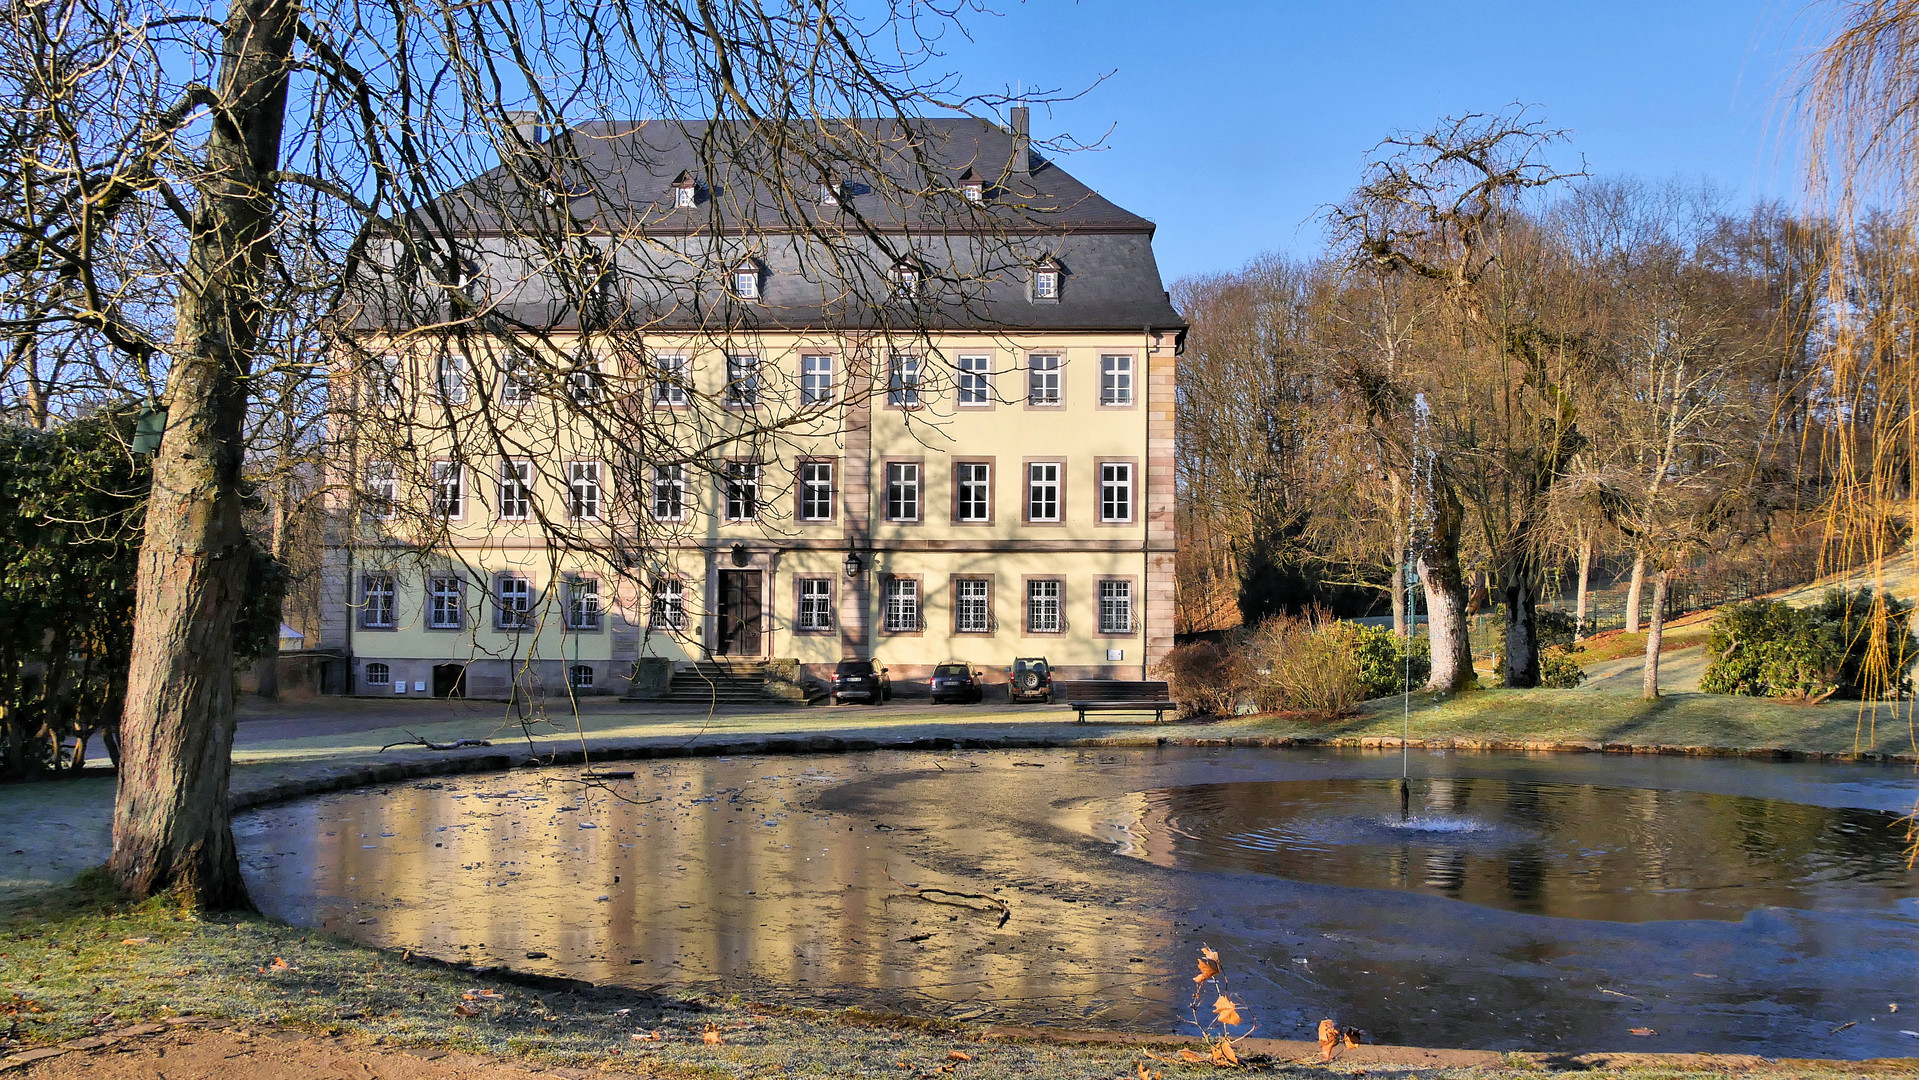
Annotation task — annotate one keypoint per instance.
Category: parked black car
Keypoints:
(859, 680)
(956, 682)
(1032, 680)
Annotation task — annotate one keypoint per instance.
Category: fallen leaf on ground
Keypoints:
(1223, 1053)
(1227, 1012)
(483, 995)
(1644, 1033)
(711, 1036)
(1190, 1057)
(958, 1055)
(136, 941)
(280, 964)
(465, 1010)
(648, 1036)
(1144, 1074)
(1328, 1039)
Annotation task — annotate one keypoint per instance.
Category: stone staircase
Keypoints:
(722, 682)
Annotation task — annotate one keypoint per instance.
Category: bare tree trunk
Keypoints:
(170, 825)
(1446, 598)
(1633, 591)
(1585, 576)
(1650, 687)
(1522, 630)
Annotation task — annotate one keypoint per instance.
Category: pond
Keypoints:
(1517, 902)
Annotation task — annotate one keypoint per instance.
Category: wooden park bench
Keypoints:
(1114, 695)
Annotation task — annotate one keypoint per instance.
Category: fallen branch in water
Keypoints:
(417, 741)
(937, 896)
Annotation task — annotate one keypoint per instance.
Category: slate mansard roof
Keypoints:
(820, 266)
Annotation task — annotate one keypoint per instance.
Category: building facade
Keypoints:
(806, 484)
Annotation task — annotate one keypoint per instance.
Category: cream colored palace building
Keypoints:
(973, 491)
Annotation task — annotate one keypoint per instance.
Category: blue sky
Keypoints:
(1234, 122)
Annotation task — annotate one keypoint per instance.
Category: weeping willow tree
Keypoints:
(1861, 115)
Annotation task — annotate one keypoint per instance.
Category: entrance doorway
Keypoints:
(449, 680)
(739, 622)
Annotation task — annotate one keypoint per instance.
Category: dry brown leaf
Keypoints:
(958, 1055)
(136, 941)
(1223, 1053)
(465, 1010)
(1351, 1035)
(711, 1036)
(1144, 1074)
(1227, 1012)
(1644, 1033)
(1208, 965)
(280, 964)
(1190, 1057)
(1329, 1036)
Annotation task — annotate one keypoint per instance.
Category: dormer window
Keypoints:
(1046, 279)
(973, 187)
(906, 280)
(686, 191)
(831, 191)
(746, 281)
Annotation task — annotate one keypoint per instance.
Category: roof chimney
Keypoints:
(1022, 141)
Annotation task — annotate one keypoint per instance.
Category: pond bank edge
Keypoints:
(247, 797)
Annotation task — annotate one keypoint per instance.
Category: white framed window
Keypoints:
(902, 491)
(816, 491)
(742, 381)
(903, 382)
(669, 492)
(445, 602)
(816, 380)
(1046, 284)
(449, 489)
(902, 605)
(378, 675)
(668, 608)
(586, 384)
(1115, 607)
(383, 381)
(515, 387)
(685, 195)
(972, 606)
(742, 490)
(583, 604)
(583, 490)
(512, 602)
(906, 281)
(746, 282)
(973, 190)
(377, 601)
(1116, 491)
(1043, 380)
(975, 380)
(670, 379)
(382, 489)
(515, 490)
(830, 193)
(1043, 606)
(1115, 380)
(580, 676)
(1042, 490)
(816, 604)
(450, 379)
(975, 481)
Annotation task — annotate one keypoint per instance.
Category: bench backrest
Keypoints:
(1109, 690)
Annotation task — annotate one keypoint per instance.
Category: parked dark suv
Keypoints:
(859, 680)
(955, 682)
(1032, 679)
